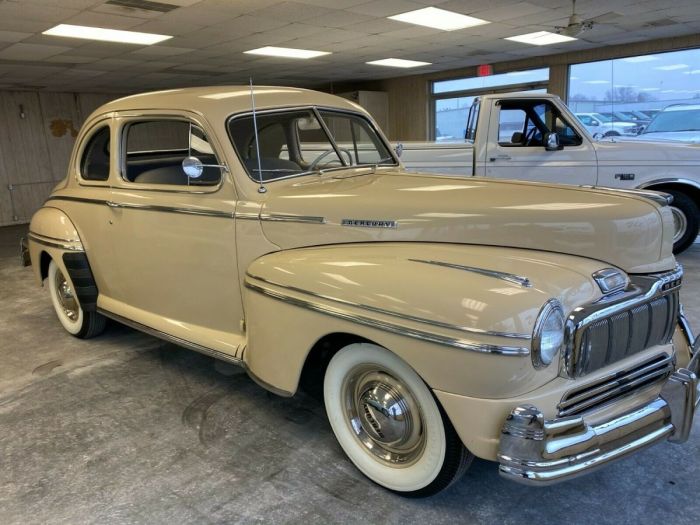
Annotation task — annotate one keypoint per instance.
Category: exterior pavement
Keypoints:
(127, 429)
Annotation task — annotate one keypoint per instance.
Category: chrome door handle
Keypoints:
(499, 157)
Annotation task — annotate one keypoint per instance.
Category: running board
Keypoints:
(171, 338)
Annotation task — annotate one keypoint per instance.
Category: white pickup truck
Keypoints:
(534, 136)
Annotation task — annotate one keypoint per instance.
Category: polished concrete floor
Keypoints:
(128, 429)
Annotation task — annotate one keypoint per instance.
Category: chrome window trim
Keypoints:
(390, 327)
(150, 207)
(314, 109)
(102, 121)
(378, 310)
(509, 277)
(124, 120)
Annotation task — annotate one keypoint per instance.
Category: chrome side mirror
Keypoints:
(551, 142)
(192, 167)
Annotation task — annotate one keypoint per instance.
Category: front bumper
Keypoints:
(536, 451)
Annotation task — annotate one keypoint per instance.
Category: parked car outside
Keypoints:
(600, 125)
(675, 123)
(536, 325)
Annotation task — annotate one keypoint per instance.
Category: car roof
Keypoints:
(682, 107)
(222, 101)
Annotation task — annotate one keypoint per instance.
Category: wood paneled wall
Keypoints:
(37, 133)
(409, 96)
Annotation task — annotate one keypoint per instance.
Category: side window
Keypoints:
(524, 123)
(586, 120)
(155, 149)
(94, 165)
(512, 126)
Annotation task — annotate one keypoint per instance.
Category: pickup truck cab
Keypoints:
(506, 138)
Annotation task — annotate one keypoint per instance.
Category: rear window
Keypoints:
(94, 164)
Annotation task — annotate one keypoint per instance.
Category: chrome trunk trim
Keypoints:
(509, 277)
(390, 327)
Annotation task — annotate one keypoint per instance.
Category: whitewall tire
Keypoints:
(389, 424)
(74, 319)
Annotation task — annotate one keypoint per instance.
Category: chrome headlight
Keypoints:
(548, 336)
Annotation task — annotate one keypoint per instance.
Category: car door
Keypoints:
(516, 149)
(173, 236)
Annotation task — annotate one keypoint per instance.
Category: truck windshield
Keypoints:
(297, 142)
(678, 120)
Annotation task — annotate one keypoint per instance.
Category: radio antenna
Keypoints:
(262, 188)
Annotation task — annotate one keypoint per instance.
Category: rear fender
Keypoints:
(51, 234)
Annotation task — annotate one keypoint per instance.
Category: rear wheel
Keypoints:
(389, 424)
(685, 220)
(74, 319)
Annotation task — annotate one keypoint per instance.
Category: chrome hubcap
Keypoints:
(680, 223)
(65, 296)
(384, 416)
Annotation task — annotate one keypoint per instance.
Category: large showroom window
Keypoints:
(613, 94)
(452, 98)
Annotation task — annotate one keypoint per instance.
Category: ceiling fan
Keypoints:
(578, 25)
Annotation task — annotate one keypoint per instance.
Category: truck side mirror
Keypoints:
(551, 142)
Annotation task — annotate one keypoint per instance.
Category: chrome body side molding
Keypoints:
(509, 277)
(660, 198)
(387, 326)
(149, 207)
(51, 242)
(509, 335)
(288, 217)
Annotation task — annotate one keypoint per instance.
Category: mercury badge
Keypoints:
(368, 223)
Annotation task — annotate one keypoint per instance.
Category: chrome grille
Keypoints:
(619, 325)
(627, 333)
(616, 385)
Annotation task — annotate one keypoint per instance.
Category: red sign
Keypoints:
(484, 70)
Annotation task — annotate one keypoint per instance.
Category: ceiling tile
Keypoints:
(13, 36)
(30, 51)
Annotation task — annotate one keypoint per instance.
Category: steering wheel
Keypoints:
(530, 137)
(323, 155)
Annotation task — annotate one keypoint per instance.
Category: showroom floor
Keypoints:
(128, 429)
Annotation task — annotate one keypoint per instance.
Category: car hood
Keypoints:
(635, 150)
(676, 136)
(624, 230)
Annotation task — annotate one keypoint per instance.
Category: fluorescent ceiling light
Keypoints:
(672, 67)
(105, 35)
(398, 62)
(438, 19)
(286, 52)
(541, 38)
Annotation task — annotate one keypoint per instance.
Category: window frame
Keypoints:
(575, 124)
(126, 119)
(315, 109)
(475, 92)
(94, 128)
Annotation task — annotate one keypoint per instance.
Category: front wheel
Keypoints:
(388, 423)
(74, 319)
(685, 220)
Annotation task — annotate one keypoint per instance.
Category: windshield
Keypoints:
(295, 142)
(602, 118)
(669, 121)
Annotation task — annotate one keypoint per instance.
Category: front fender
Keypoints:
(461, 316)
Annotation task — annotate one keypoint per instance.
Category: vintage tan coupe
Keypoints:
(442, 318)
